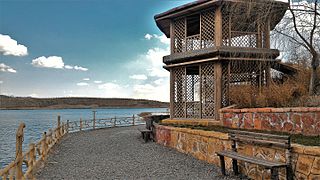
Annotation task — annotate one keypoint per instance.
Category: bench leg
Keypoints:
(142, 133)
(274, 174)
(146, 137)
(223, 166)
(235, 166)
(289, 173)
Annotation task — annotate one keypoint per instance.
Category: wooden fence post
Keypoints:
(67, 126)
(44, 146)
(19, 140)
(94, 119)
(32, 160)
(51, 137)
(133, 123)
(59, 127)
(80, 124)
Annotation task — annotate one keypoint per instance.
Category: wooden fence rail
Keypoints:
(37, 152)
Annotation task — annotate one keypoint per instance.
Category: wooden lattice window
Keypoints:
(207, 29)
(178, 77)
(207, 90)
(193, 91)
(194, 32)
(179, 36)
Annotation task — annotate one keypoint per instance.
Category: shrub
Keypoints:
(292, 92)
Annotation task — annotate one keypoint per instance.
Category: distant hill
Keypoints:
(9, 102)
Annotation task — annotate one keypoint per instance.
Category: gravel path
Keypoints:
(120, 153)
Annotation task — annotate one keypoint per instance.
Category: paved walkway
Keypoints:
(120, 153)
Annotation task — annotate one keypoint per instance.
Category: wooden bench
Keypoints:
(146, 134)
(260, 139)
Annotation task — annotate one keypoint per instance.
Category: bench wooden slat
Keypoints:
(271, 136)
(265, 143)
(262, 162)
(285, 141)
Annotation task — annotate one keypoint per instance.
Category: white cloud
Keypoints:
(162, 38)
(33, 95)
(148, 36)
(54, 62)
(159, 81)
(68, 67)
(80, 68)
(114, 90)
(10, 46)
(48, 62)
(1, 82)
(138, 77)
(97, 82)
(6, 68)
(86, 79)
(148, 91)
(82, 84)
(154, 56)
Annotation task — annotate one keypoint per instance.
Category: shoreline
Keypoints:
(84, 107)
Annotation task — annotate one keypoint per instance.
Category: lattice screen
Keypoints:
(178, 76)
(192, 103)
(225, 27)
(207, 29)
(179, 35)
(187, 82)
(242, 73)
(207, 90)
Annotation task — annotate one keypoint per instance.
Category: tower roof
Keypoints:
(264, 8)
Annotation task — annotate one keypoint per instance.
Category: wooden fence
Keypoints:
(38, 152)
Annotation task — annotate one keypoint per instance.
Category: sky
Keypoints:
(83, 48)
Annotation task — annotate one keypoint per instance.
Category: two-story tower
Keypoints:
(217, 45)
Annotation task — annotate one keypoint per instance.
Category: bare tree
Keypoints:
(300, 28)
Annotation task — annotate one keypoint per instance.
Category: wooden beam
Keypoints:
(267, 33)
(172, 36)
(218, 88)
(218, 27)
(171, 93)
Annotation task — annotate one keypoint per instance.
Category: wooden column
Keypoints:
(267, 34)
(218, 88)
(171, 94)
(218, 27)
(259, 35)
(172, 36)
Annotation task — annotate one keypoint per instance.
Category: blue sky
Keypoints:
(99, 48)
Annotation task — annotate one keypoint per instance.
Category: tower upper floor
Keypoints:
(231, 27)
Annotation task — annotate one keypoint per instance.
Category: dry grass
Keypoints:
(293, 92)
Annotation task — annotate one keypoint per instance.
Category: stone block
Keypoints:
(316, 166)
(304, 164)
(248, 120)
(312, 150)
(296, 119)
(314, 177)
(308, 123)
(288, 127)
(300, 176)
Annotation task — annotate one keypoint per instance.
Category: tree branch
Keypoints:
(293, 39)
(296, 29)
(314, 23)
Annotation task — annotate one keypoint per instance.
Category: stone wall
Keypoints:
(203, 145)
(304, 121)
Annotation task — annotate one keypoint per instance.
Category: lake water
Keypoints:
(39, 121)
